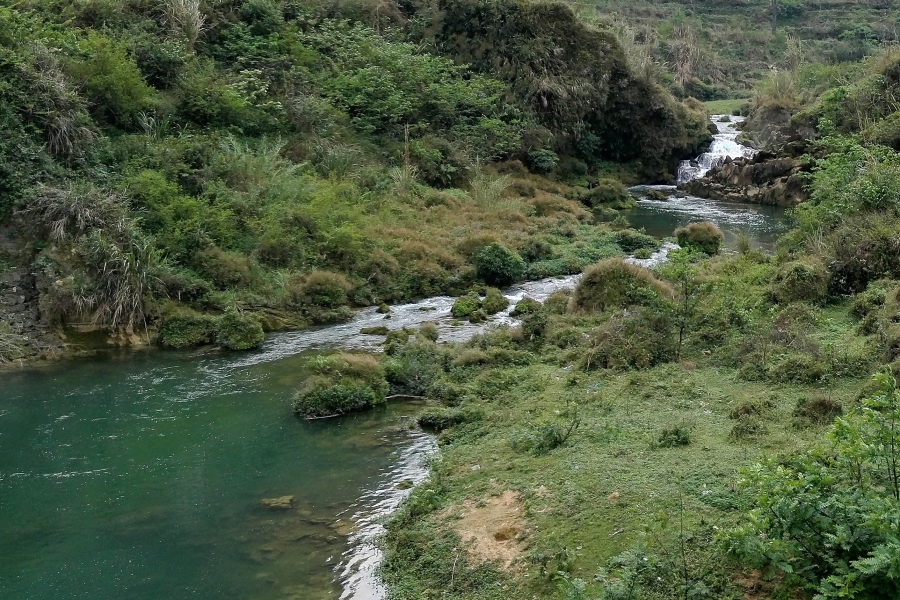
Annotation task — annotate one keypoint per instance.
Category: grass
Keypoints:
(611, 486)
(724, 107)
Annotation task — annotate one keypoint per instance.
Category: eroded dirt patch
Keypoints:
(493, 531)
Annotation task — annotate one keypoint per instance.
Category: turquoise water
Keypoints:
(760, 223)
(139, 475)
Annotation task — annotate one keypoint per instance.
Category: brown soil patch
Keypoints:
(492, 532)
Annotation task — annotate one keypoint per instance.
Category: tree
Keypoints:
(829, 520)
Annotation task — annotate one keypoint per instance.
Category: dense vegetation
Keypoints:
(722, 426)
(165, 165)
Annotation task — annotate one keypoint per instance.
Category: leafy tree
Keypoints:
(830, 519)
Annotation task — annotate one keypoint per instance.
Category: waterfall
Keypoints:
(724, 146)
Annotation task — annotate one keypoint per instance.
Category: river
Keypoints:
(140, 474)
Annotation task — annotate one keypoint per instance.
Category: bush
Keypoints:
(557, 303)
(610, 193)
(747, 427)
(239, 331)
(494, 302)
(672, 437)
(341, 383)
(439, 419)
(498, 265)
(819, 409)
(700, 237)
(414, 368)
(637, 340)
(803, 279)
(465, 306)
(543, 160)
(184, 330)
(225, 269)
(429, 331)
(614, 283)
(798, 367)
(526, 306)
(322, 289)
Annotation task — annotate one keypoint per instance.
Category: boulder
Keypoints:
(763, 179)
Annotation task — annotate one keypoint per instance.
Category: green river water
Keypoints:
(139, 475)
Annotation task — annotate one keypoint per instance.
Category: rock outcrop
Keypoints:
(763, 179)
(20, 325)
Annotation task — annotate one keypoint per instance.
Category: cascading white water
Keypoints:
(724, 146)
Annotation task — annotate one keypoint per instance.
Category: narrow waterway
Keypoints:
(140, 475)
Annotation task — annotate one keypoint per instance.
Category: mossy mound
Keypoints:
(239, 331)
(700, 237)
(494, 302)
(187, 329)
(803, 279)
(614, 283)
(464, 306)
(526, 306)
(340, 384)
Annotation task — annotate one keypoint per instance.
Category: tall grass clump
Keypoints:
(339, 384)
(700, 237)
(614, 283)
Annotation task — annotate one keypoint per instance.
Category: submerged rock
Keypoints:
(279, 503)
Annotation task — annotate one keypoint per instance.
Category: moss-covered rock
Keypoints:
(239, 331)
(340, 384)
(186, 329)
(464, 306)
(526, 306)
(494, 302)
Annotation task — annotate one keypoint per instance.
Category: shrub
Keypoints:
(543, 160)
(498, 265)
(643, 253)
(429, 331)
(746, 427)
(341, 383)
(819, 409)
(239, 331)
(611, 193)
(871, 300)
(414, 368)
(557, 303)
(630, 240)
(700, 237)
(494, 302)
(672, 437)
(803, 279)
(439, 419)
(322, 289)
(798, 367)
(526, 306)
(638, 340)
(464, 306)
(615, 283)
(225, 269)
(184, 330)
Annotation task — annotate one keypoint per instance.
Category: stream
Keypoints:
(140, 474)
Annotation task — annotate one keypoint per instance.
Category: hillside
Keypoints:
(167, 164)
(718, 49)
